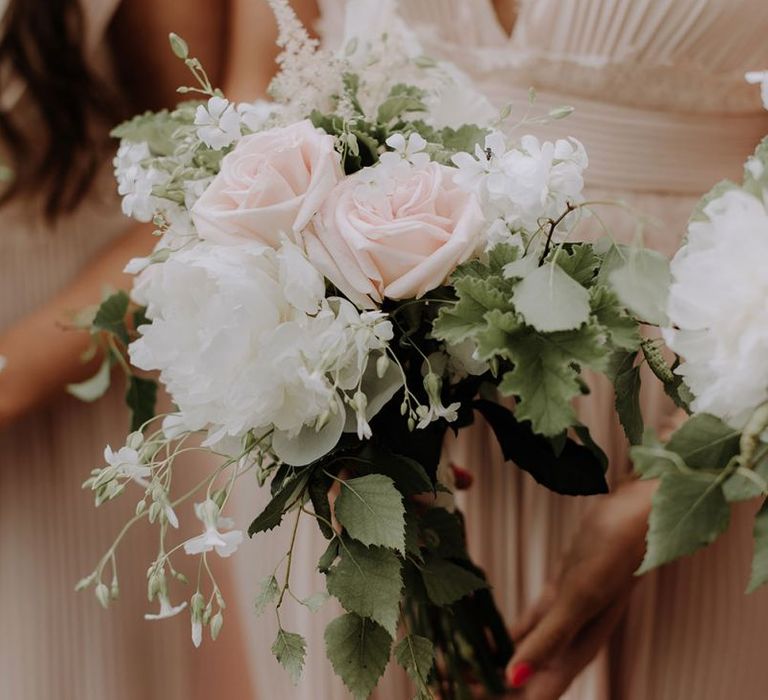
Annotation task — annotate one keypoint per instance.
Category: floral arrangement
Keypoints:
(344, 275)
(718, 325)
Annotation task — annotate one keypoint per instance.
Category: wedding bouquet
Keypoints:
(717, 321)
(342, 276)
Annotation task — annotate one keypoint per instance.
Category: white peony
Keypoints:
(244, 339)
(718, 305)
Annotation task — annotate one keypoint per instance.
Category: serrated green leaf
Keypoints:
(110, 316)
(416, 655)
(499, 334)
(318, 495)
(544, 378)
(409, 476)
(745, 484)
(368, 581)
(689, 512)
(371, 509)
(653, 461)
(447, 582)
(550, 300)
(315, 601)
(401, 99)
(290, 649)
(642, 285)
(759, 574)
(579, 261)
(141, 398)
(95, 387)
(621, 328)
(358, 650)
(267, 593)
(705, 442)
(627, 397)
(273, 512)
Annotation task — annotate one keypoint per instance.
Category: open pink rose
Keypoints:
(272, 183)
(394, 238)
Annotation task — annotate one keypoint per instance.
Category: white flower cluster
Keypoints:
(522, 185)
(718, 307)
(245, 339)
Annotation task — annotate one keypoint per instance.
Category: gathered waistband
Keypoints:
(643, 150)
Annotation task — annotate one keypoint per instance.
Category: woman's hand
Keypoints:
(559, 635)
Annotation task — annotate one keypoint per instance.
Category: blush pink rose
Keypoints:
(272, 183)
(395, 239)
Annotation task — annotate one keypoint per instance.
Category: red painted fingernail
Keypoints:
(519, 674)
(462, 478)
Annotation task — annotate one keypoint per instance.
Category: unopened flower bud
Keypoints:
(403, 408)
(140, 506)
(382, 365)
(134, 440)
(114, 589)
(216, 623)
(411, 424)
(197, 604)
(102, 595)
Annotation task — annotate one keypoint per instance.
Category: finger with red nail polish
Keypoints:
(519, 674)
(462, 478)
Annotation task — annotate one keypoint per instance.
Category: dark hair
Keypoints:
(42, 44)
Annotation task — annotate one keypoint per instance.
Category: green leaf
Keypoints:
(745, 484)
(141, 397)
(465, 138)
(267, 593)
(111, 316)
(550, 300)
(368, 581)
(95, 387)
(653, 461)
(328, 556)
(318, 494)
(499, 334)
(290, 649)
(416, 655)
(759, 574)
(621, 328)
(443, 533)
(642, 285)
(402, 98)
(627, 397)
(358, 650)
(447, 582)
(371, 509)
(576, 471)
(579, 261)
(689, 512)
(409, 476)
(544, 377)
(315, 601)
(272, 515)
(705, 442)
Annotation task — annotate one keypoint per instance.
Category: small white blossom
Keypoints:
(127, 463)
(225, 543)
(218, 123)
(254, 115)
(166, 609)
(754, 77)
(410, 151)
